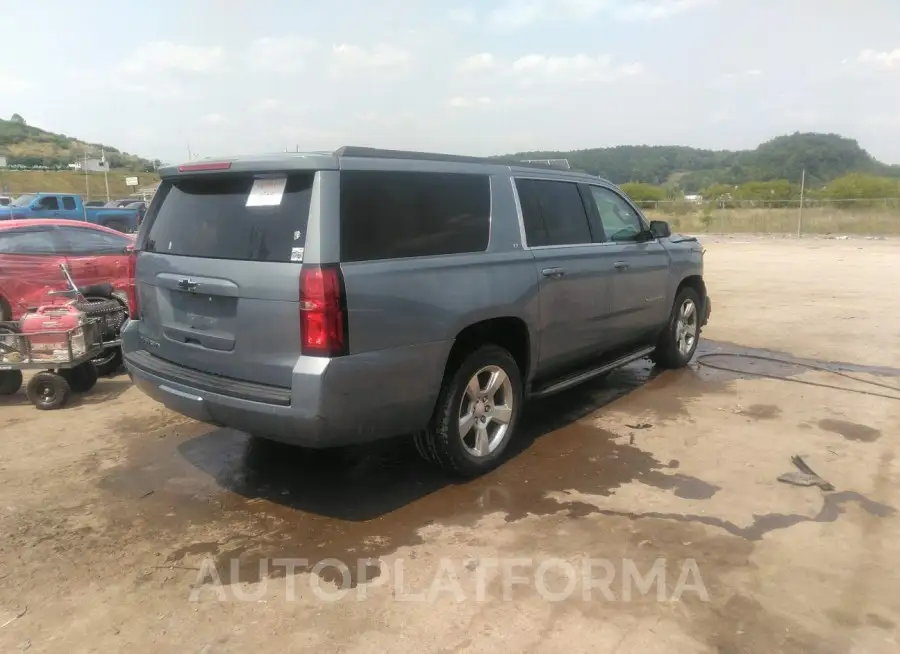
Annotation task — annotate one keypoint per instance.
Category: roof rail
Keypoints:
(365, 152)
(378, 153)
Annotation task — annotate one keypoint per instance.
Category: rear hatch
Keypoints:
(218, 273)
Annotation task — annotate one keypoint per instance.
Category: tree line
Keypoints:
(824, 157)
(853, 186)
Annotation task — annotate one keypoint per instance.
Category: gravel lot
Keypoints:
(125, 527)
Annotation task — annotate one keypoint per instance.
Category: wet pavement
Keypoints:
(370, 500)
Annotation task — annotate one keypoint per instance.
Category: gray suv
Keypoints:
(325, 299)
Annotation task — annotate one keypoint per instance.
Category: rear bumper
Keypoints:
(331, 402)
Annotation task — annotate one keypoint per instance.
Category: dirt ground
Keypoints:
(128, 528)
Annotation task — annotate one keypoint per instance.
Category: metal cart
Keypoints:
(63, 370)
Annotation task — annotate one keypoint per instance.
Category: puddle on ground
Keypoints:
(282, 501)
(761, 411)
(851, 430)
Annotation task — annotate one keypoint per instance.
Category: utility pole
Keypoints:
(105, 172)
(802, 190)
(87, 184)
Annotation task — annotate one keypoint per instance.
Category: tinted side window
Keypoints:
(209, 217)
(50, 203)
(620, 222)
(392, 215)
(34, 240)
(68, 203)
(83, 240)
(564, 218)
(535, 230)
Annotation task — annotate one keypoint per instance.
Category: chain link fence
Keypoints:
(875, 217)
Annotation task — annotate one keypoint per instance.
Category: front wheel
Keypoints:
(476, 414)
(48, 391)
(678, 341)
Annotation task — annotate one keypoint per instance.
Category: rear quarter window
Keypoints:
(393, 215)
(208, 217)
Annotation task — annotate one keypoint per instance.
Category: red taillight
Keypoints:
(323, 314)
(215, 165)
(131, 289)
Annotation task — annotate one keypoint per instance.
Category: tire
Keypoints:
(109, 362)
(81, 378)
(110, 312)
(48, 391)
(467, 455)
(117, 225)
(10, 381)
(673, 350)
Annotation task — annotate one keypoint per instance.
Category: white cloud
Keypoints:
(164, 55)
(468, 103)
(518, 14)
(214, 119)
(477, 63)
(579, 68)
(732, 79)
(380, 56)
(465, 15)
(880, 60)
(281, 54)
(268, 104)
(11, 84)
(638, 10)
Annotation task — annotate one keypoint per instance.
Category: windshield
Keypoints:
(23, 201)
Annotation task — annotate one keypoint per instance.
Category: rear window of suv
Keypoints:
(208, 217)
(393, 215)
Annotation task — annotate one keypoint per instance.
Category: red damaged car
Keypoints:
(30, 254)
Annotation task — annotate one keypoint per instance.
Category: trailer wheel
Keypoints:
(48, 391)
(81, 378)
(10, 381)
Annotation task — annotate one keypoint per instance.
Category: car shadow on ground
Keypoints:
(365, 482)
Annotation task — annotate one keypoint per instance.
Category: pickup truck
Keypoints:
(70, 207)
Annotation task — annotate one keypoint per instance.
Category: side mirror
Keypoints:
(660, 229)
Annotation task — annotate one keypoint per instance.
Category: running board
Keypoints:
(586, 375)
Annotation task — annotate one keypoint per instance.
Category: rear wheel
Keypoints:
(678, 342)
(10, 381)
(81, 378)
(109, 361)
(48, 391)
(476, 414)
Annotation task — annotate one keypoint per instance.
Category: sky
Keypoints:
(168, 77)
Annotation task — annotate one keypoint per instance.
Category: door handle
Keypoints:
(620, 265)
(554, 273)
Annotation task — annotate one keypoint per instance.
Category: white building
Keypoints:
(91, 165)
(3, 163)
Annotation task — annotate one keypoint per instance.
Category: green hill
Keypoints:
(30, 147)
(824, 156)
